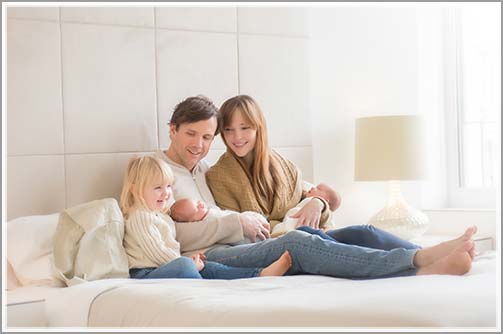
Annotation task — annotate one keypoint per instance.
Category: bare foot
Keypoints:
(458, 262)
(429, 255)
(278, 267)
(472, 252)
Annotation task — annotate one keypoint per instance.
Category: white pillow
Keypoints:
(29, 248)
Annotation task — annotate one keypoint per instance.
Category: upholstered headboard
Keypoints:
(90, 87)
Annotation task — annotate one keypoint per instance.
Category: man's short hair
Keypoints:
(194, 109)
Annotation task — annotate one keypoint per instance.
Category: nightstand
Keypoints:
(26, 314)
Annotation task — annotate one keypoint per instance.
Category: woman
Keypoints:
(252, 177)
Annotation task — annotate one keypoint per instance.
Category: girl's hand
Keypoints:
(198, 260)
(310, 214)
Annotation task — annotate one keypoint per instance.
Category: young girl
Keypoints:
(149, 239)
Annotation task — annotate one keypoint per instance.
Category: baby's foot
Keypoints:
(458, 262)
(434, 253)
(278, 267)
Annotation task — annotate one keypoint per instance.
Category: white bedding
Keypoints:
(294, 301)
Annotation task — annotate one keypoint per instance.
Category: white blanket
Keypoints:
(292, 301)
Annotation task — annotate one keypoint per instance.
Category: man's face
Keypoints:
(191, 142)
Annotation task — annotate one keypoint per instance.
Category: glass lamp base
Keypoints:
(399, 218)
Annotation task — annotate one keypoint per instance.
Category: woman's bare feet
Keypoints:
(430, 255)
(458, 262)
(278, 267)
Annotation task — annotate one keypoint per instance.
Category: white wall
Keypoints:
(366, 65)
(382, 59)
(89, 87)
(375, 60)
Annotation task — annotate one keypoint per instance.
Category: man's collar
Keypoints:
(170, 161)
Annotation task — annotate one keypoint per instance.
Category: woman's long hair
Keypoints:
(140, 173)
(264, 169)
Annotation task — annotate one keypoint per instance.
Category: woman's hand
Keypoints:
(310, 214)
(198, 260)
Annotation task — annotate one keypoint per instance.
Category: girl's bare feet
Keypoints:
(278, 267)
(430, 255)
(458, 262)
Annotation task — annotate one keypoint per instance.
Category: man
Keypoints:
(192, 129)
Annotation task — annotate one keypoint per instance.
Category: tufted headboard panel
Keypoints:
(90, 87)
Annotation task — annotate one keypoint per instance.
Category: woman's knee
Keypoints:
(306, 229)
(294, 236)
(361, 230)
(296, 240)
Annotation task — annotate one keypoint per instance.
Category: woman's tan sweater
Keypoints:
(233, 190)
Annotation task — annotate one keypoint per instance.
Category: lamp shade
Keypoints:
(389, 148)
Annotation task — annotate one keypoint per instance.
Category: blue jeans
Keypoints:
(184, 267)
(314, 255)
(362, 235)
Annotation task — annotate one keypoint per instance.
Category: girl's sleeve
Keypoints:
(157, 249)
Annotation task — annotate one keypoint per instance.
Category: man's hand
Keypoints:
(310, 214)
(254, 226)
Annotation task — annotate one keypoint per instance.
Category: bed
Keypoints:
(469, 301)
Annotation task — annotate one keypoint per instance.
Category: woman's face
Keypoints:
(240, 135)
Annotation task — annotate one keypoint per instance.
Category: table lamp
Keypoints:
(390, 148)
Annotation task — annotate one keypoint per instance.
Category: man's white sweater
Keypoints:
(223, 228)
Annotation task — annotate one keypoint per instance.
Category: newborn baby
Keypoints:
(322, 191)
(188, 210)
(327, 193)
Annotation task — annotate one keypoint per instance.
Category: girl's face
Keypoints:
(156, 196)
(240, 135)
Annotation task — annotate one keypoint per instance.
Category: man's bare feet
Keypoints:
(278, 267)
(458, 262)
(430, 255)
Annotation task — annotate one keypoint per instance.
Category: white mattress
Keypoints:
(469, 301)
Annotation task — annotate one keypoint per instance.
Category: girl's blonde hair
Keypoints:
(264, 170)
(140, 173)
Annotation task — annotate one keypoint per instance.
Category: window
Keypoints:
(473, 104)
